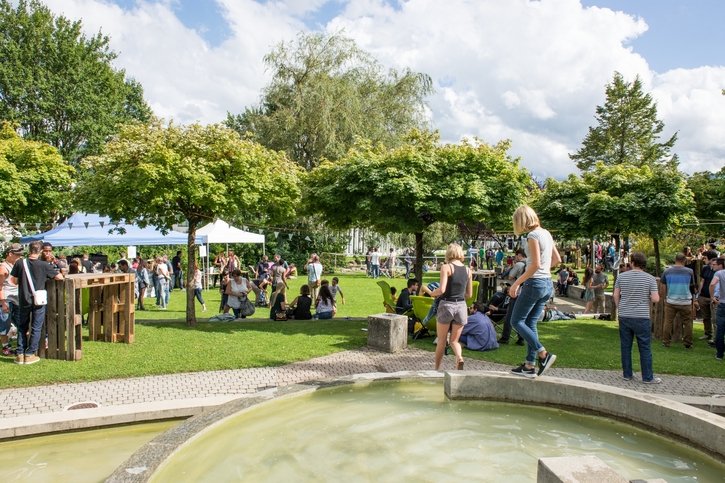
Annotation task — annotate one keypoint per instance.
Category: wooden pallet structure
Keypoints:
(109, 298)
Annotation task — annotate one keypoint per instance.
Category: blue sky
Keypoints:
(682, 33)
(532, 71)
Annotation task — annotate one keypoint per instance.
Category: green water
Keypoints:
(408, 431)
(78, 457)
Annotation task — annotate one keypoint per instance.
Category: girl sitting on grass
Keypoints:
(325, 307)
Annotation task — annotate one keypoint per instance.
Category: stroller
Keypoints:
(262, 299)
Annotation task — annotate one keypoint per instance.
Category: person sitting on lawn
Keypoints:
(497, 306)
(300, 307)
(325, 307)
(404, 306)
(393, 294)
(278, 302)
(236, 291)
(479, 333)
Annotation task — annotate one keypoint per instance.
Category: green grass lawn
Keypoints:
(164, 345)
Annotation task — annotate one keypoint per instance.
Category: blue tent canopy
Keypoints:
(92, 229)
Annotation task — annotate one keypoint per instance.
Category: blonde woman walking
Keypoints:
(532, 290)
(455, 287)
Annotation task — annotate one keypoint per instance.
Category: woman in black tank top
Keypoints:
(455, 288)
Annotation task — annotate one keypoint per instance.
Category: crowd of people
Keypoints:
(527, 289)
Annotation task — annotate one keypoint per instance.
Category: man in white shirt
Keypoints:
(375, 263)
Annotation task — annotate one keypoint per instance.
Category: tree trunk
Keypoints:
(190, 264)
(592, 254)
(419, 257)
(656, 244)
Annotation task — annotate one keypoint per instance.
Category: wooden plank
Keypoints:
(94, 313)
(128, 314)
(81, 280)
(108, 312)
(69, 347)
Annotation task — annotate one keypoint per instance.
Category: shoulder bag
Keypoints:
(40, 297)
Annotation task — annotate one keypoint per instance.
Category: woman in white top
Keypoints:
(236, 290)
(325, 305)
(533, 289)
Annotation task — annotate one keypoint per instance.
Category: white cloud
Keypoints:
(530, 71)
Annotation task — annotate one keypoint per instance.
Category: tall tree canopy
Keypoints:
(34, 179)
(628, 130)
(646, 200)
(58, 85)
(161, 175)
(324, 92)
(407, 188)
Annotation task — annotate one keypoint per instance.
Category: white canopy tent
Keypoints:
(222, 232)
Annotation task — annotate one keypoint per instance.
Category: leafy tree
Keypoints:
(561, 205)
(325, 91)
(34, 179)
(58, 85)
(709, 191)
(627, 132)
(408, 188)
(160, 175)
(647, 200)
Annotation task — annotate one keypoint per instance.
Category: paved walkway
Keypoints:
(26, 407)
(189, 393)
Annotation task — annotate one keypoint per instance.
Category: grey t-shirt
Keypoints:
(517, 270)
(600, 279)
(546, 245)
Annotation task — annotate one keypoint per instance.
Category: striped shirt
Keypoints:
(635, 287)
(680, 282)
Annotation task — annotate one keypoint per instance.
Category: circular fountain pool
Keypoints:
(408, 430)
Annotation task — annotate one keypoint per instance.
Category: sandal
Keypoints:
(459, 365)
(7, 351)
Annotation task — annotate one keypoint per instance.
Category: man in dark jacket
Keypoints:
(404, 306)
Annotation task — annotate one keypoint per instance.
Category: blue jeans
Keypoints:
(529, 304)
(197, 294)
(157, 288)
(25, 346)
(629, 328)
(163, 292)
(178, 280)
(323, 315)
(432, 311)
(375, 270)
(720, 330)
